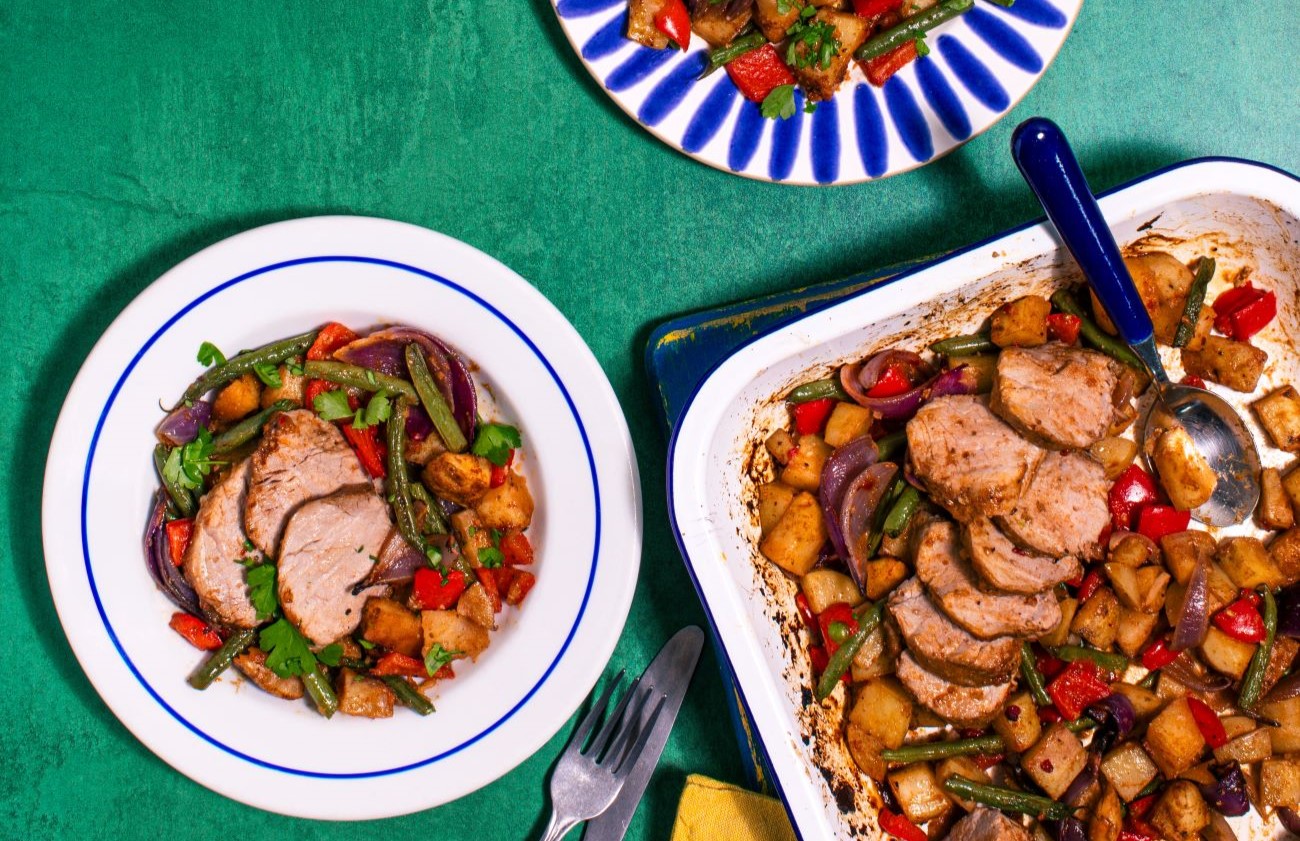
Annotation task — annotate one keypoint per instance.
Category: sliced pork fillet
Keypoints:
(946, 648)
(1004, 565)
(964, 706)
(327, 548)
(211, 562)
(301, 457)
(1064, 510)
(987, 825)
(951, 583)
(970, 460)
(1059, 395)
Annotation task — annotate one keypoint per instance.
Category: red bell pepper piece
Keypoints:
(674, 21)
(516, 550)
(1136, 829)
(882, 67)
(1132, 490)
(330, 338)
(369, 449)
(491, 585)
(810, 417)
(196, 632)
(501, 472)
(758, 72)
(1253, 317)
(805, 610)
(1080, 685)
(900, 827)
(1193, 380)
(1156, 521)
(892, 382)
(1207, 722)
(838, 612)
(818, 659)
(1049, 715)
(1091, 582)
(520, 583)
(1157, 655)
(1139, 808)
(988, 760)
(875, 8)
(1063, 327)
(179, 533)
(1241, 621)
(397, 663)
(1049, 665)
(434, 592)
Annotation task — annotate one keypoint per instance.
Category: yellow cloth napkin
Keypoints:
(711, 810)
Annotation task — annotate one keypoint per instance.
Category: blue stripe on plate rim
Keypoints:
(85, 490)
(983, 65)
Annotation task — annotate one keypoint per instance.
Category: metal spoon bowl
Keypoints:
(1216, 430)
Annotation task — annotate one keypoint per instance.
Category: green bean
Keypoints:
(434, 521)
(1080, 724)
(408, 695)
(868, 620)
(1006, 4)
(222, 658)
(971, 345)
(1008, 800)
(741, 45)
(817, 390)
(876, 534)
(237, 366)
(1149, 682)
(1094, 335)
(900, 515)
(181, 497)
(928, 751)
(399, 481)
(248, 428)
(1105, 659)
(359, 377)
(318, 687)
(1253, 682)
(1033, 677)
(891, 445)
(1195, 301)
(912, 28)
(1149, 789)
(434, 403)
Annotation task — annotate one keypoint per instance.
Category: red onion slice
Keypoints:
(1285, 689)
(959, 380)
(182, 425)
(1288, 611)
(859, 378)
(1185, 672)
(157, 559)
(1290, 819)
(1083, 782)
(1194, 614)
(839, 470)
(1228, 791)
(858, 511)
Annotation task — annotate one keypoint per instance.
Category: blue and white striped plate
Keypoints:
(980, 66)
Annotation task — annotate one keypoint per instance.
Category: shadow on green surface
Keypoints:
(572, 62)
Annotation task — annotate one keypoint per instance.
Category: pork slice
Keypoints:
(1058, 395)
(1064, 510)
(987, 825)
(946, 648)
(970, 460)
(964, 706)
(327, 549)
(301, 457)
(1004, 565)
(211, 563)
(946, 574)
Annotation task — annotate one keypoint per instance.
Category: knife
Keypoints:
(669, 673)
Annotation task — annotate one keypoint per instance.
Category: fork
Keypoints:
(585, 783)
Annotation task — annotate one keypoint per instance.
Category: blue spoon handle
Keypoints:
(1048, 164)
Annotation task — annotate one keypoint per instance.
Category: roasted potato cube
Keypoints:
(1279, 414)
(1291, 485)
(238, 399)
(453, 632)
(1124, 580)
(794, 543)
(1275, 511)
(961, 766)
(1225, 654)
(865, 750)
(1134, 550)
(1285, 552)
(1018, 724)
(884, 709)
(462, 478)
(1021, 323)
(641, 23)
(425, 450)
(1153, 582)
(804, 470)
(781, 444)
(1247, 563)
(847, 421)
(1279, 783)
(877, 656)
(825, 587)
(1183, 549)
(1145, 702)
(710, 22)
(1097, 619)
(252, 663)
(1184, 473)
(509, 506)
(292, 387)
(773, 499)
(363, 696)
(1108, 818)
(1250, 747)
(1237, 725)
(1180, 814)
(1221, 591)
(820, 81)
(388, 623)
(918, 792)
(1055, 760)
(472, 535)
(1128, 768)
(475, 605)
(1285, 737)
(1162, 282)
(1114, 454)
(1135, 627)
(1236, 365)
(1061, 633)
(1173, 739)
(883, 575)
(772, 21)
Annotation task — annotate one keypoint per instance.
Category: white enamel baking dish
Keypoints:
(1241, 212)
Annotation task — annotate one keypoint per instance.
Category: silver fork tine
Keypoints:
(598, 708)
(631, 730)
(628, 762)
(612, 722)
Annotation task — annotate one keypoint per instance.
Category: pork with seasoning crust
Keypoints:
(211, 563)
(946, 648)
(1064, 510)
(1002, 564)
(964, 706)
(987, 825)
(1059, 395)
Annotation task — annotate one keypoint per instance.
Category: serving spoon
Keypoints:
(1215, 429)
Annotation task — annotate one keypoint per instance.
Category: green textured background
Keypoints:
(133, 134)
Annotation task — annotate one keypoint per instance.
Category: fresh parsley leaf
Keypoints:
(294, 366)
(209, 355)
(490, 557)
(809, 107)
(495, 441)
(187, 464)
(779, 103)
(261, 590)
(330, 654)
(434, 554)
(811, 42)
(378, 410)
(922, 48)
(269, 374)
(439, 657)
(248, 545)
(783, 7)
(332, 405)
(365, 643)
(287, 651)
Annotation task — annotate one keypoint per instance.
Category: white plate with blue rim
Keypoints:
(980, 65)
(532, 369)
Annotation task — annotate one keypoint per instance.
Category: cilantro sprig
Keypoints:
(495, 441)
(187, 465)
(334, 406)
(261, 590)
(209, 355)
(439, 657)
(288, 653)
(810, 41)
(269, 374)
(778, 103)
